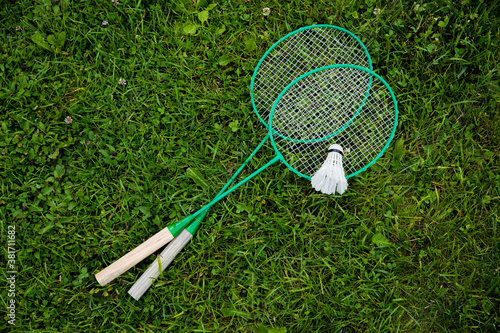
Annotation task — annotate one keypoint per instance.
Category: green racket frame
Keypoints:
(252, 83)
(372, 73)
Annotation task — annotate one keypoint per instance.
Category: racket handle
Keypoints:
(133, 257)
(167, 256)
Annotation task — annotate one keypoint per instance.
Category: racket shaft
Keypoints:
(153, 272)
(157, 241)
(204, 209)
(133, 257)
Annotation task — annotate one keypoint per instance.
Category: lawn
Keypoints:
(119, 118)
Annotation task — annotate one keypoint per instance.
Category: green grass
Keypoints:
(413, 246)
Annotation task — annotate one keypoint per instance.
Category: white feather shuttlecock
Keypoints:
(331, 177)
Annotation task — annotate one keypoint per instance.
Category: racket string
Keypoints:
(299, 54)
(337, 98)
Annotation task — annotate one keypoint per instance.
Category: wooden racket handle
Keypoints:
(167, 255)
(133, 257)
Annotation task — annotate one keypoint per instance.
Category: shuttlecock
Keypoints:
(331, 177)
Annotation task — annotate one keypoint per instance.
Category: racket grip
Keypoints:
(133, 257)
(167, 256)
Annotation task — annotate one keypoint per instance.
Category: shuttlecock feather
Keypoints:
(331, 177)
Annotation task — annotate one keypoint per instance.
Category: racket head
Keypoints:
(347, 105)
(297, 53)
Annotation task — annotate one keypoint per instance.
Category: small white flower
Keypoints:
(376, 11)
(18, 28)
(266, 11)
(122, 82)
(104, 22)
(68, 120)
(116, 2)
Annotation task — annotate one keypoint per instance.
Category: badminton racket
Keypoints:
(325, 106)
(302, 50)
(293, 55)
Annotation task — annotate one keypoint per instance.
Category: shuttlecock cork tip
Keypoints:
(336, 147)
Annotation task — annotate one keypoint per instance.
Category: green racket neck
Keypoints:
(182, 224)
(190, 225)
